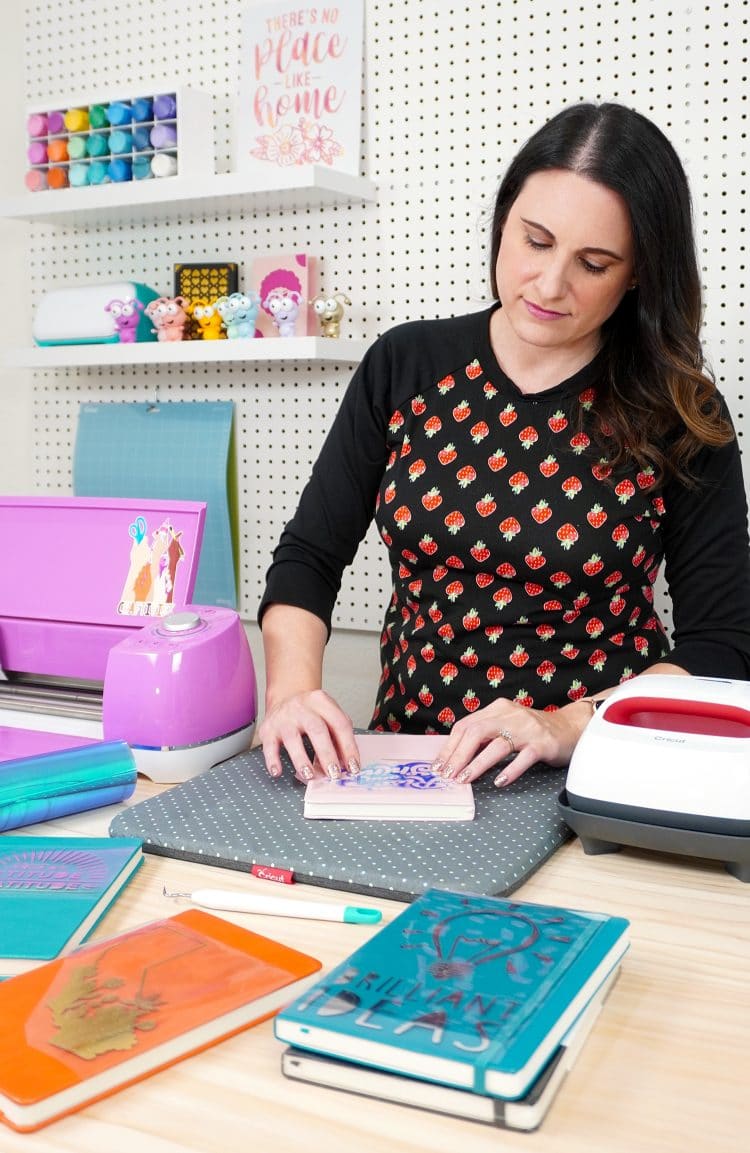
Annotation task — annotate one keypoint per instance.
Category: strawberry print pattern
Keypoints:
(540, 586)
(519, 566)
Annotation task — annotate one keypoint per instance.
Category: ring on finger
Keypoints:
(508, 736)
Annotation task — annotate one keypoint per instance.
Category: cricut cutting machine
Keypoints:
(665, 764)
(99, 640)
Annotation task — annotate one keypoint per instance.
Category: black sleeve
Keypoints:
(707, 567)
(338, 502)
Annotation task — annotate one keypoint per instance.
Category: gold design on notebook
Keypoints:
(91, 1019)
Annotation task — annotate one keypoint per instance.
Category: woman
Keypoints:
(530, 468)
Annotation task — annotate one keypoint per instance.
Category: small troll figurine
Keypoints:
(329, 311)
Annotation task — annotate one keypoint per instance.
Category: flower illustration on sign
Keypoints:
(301, 143)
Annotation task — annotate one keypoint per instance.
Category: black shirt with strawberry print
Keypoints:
(520, 567)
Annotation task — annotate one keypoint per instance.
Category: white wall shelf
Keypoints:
(301, 348)
(171, 197)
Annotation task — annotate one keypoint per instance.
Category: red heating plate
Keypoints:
(677, 716)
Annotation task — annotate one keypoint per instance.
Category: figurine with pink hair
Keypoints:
(281, 298)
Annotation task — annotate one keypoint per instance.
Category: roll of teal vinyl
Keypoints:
(167, 451)
(49, 785)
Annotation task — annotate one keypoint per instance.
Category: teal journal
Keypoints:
(471, 991)
(54, 891)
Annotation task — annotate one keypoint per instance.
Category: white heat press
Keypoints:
(665, 764)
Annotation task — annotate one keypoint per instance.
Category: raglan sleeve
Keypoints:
(338, 502)
(707, 567)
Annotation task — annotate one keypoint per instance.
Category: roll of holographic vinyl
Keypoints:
(50, 785)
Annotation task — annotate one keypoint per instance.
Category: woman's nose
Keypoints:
(553, 279)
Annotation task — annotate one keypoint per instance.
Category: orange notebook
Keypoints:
(83, 1026)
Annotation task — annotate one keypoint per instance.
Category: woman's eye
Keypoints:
(595, 268)
(534, 243)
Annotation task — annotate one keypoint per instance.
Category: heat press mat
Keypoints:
(169, 451)
(235, 816)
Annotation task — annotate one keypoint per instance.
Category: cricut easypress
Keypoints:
(99, 640)
(665, 764)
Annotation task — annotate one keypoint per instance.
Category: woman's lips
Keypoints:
(542, 313)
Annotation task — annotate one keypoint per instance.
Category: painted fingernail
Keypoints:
(334, 772)
(436, 768)
(274, 770)
(305, 772)
(463, 776)
(353, 766)
(501, 779)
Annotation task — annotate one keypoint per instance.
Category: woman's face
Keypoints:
(564, 263)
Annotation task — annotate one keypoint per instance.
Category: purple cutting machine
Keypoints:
(99, 640)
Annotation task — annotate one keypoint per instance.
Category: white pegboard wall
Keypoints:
(450, 92)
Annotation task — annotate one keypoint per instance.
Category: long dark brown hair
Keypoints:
(659, 404)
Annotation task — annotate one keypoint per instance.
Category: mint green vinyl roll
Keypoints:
(77, 147)
(50, 785)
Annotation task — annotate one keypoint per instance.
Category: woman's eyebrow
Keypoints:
(587, 248)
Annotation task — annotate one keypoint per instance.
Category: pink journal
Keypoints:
(395, 784)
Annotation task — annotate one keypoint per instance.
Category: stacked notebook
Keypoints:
(467, 1005)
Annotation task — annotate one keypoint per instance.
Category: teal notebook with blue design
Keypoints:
(55, 890)
(470, 991)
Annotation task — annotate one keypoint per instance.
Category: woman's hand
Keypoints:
(520, 736)
(311, 716)
(299, 714)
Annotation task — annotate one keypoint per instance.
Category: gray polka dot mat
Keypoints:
(234, 816)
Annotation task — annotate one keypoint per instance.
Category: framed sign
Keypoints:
(300, 85)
